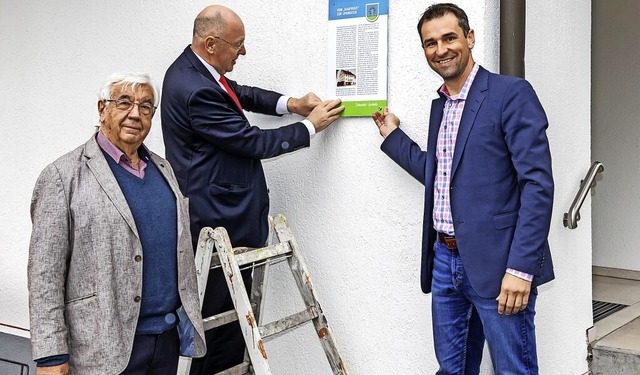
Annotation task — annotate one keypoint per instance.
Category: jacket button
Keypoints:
(137, 258)
(136, 298)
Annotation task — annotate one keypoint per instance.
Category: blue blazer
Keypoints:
(216, 154)
(501, 183)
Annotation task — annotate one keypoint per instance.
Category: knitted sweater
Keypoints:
(153, 206)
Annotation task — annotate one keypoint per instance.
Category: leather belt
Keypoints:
(449, 241)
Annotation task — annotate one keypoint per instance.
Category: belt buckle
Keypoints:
(449, 241)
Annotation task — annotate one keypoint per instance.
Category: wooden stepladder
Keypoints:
(248, 309)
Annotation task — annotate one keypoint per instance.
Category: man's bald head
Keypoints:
(213, 20)
(218, 37)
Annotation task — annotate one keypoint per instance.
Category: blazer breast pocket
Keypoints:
(480, 129)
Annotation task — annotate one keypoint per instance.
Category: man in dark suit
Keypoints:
(488, 202)
(217, 154)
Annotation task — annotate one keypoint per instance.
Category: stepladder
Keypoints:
(214, 249)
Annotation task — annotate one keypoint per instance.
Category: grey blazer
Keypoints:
(84, 275)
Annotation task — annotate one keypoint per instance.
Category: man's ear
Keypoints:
(471, 39)
(102, 105)
(210, 44)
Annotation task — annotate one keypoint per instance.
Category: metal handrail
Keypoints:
(571, 218)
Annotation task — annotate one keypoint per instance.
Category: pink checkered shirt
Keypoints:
(120, 157)
(445, 147)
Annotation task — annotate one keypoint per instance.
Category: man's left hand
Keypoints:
(386, 122)
(514, 294)
(303, 106)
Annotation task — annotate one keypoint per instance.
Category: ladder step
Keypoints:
(246, 255)
(240, 369)
(257, 255)
(219, 319)
(288, 323)
(215, 259)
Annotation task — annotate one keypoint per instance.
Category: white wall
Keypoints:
(616, 135)
(357, 215)
(558, 65)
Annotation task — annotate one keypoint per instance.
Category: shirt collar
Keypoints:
(462, 95)
(115, 153)
(209, 67)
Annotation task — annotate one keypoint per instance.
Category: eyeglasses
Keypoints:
(237, 47)
(144, 108)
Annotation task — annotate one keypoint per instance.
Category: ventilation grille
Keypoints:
(603, 309)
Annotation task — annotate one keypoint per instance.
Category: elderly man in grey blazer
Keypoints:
(112, 281)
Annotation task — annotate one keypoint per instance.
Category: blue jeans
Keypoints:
(462, 320)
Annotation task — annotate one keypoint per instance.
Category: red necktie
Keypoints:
(230, 91)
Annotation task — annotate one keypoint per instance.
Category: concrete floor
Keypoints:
(616, 290)
(615, 340)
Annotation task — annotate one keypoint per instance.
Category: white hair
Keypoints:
(132, 80)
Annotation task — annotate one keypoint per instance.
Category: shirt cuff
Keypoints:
(281, 106)
(281, 109)
(54, 360)
(520, 275)
(310, 127)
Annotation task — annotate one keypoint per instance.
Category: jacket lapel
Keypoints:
(107, 181)
(435, 120)
(170, 178)
(195, 61)
(477, 94)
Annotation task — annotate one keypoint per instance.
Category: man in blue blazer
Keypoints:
(488, 201)
(216, 153)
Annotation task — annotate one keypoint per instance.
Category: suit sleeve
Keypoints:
(214, 120)
(255, 99)
(49, 250)
(525, 124)
(406, 153)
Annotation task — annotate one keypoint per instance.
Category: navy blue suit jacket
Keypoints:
(216, 154)
(501, 182)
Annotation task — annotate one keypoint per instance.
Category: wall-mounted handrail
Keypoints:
(571, 218)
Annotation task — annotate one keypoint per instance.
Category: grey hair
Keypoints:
(132, 80)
